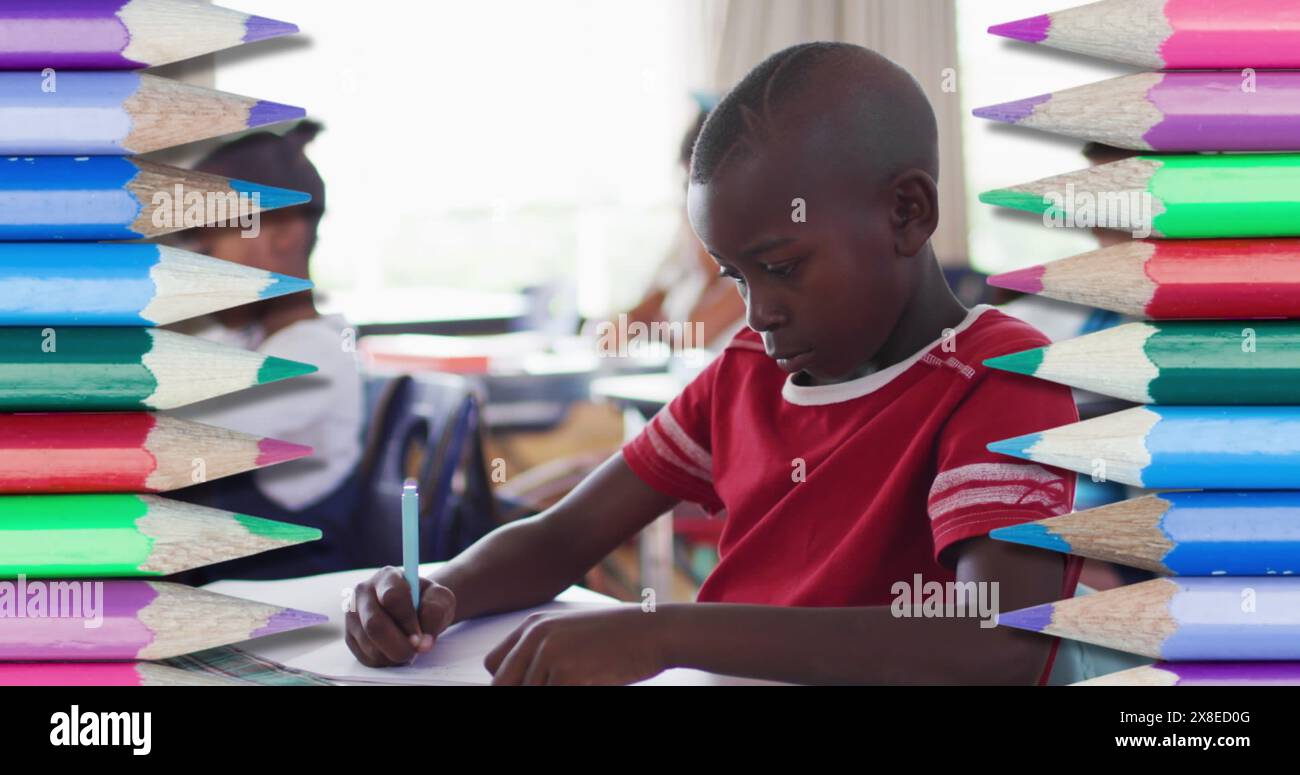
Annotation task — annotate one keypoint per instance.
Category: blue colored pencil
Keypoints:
(114, 198)
(1175, 447)
(109, 284)
(411, 539)
(119, 113)
(1186, 618)
(1213, 533)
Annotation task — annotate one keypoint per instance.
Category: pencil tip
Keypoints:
(1018, 446)
(1031, 30)
(1031, 534)
(1028, 280)
(272, 451)
(1011, 112)
(283, 285)
(1036, 618)
(261, 28)
(265, 113)
(268, 197)
(289, 619)
(1016, 200)
(1026, 362)
(282, 532)
(275, 369)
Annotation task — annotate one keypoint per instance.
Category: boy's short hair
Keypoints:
(869, 80)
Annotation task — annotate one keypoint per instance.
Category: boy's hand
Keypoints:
(383, 629)
(616, 646)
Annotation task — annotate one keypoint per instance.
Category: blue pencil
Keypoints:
(1185, 618)
(114, 198)
(1213, 533)
(108, 284)
(411, 539)
(1175, 447)
(119, 113)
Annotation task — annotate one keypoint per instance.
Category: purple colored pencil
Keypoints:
(1188, 618)
(121, 34)
(1174, 111)
(1203, 674)
(78, 620)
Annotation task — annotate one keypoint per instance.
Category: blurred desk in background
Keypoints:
(528, 379)
(431, 310)
(641, 396)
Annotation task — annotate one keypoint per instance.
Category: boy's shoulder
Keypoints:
(995, 333)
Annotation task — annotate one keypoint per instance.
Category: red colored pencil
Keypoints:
(1171, 279)
(124, 452)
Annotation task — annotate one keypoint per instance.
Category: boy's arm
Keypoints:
(530, 561)
(799, 645)
(872, 645)
(519, 565)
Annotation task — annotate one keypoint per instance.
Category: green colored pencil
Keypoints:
(1175, 362)
(106, 535)
(1182, 196)
(43, 369)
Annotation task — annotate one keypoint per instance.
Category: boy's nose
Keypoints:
(762, 315)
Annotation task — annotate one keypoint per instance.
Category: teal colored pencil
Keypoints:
(57, 369)
(411, 539)
(1175, 362)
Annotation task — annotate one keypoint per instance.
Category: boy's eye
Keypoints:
(783, 269)
(730, 275)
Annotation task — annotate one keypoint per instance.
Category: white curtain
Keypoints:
(734, 35)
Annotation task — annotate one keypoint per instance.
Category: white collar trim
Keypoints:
(820, 395)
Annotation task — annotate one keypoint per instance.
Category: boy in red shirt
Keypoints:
(843, 432)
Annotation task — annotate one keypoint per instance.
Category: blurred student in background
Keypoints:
(687, 288)
(323, 410)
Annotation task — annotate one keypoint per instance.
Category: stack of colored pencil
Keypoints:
(83, 367)
(1216, 363)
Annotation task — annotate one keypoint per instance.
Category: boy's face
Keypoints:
(825, 292)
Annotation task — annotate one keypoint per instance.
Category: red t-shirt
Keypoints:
(894, 466)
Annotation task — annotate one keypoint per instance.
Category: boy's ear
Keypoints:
(915, 211)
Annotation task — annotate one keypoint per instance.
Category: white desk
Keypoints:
(326, 595)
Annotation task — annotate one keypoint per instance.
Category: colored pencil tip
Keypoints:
(1011, 112)
(283, 285)
(272, 451)
(269, 197)
(1016, 200)
(266, 112)
(1031, 30)
(1031, 534)
(1026, 362)
(275, 369)
(261, 28)
(1018, 446)
(1036, 618)
(284, 532)
(1028, 280)
(289, 619)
